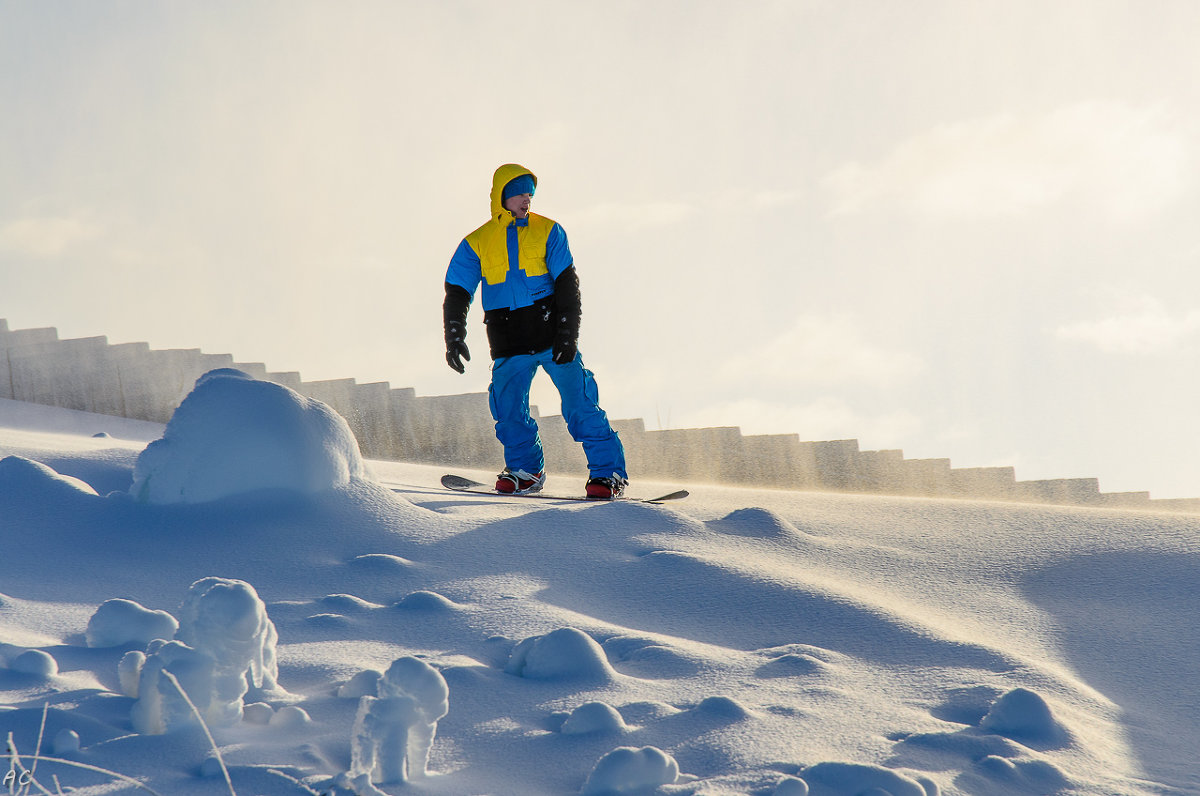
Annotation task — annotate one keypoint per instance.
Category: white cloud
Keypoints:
(45, 237)
(1126, 161)
(1141, 325)
(823, 350)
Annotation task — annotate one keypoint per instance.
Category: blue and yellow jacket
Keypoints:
(526, 270)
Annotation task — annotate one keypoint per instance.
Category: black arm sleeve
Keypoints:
(454, 312)
(568, 304)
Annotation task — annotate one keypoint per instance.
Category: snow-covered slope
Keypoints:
(740, 642)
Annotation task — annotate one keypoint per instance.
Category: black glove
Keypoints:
(456, 349)
(568, 307)
(565, 347)
(454, 321)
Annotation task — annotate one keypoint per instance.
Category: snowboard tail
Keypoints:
(460, 484)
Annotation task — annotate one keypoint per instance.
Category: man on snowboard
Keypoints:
(531, 306)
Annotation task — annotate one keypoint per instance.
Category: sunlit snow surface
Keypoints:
(742, 641)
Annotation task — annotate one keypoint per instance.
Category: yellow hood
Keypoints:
(503, 176)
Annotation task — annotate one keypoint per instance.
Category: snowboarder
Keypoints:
(531, 305)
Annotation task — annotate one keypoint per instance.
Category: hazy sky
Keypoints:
(964, 229)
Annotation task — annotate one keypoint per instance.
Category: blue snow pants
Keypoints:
(586, 421)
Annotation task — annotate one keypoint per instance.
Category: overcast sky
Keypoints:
(965, 229)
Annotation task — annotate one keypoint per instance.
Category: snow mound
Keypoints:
(1036, 776)
(35, 662)
(563, 654)
(647, 658)
(835, 779)
(424, 600)
(382, 563)
(629, 770)
(756, 522)
(365, 683)
(259, 713)
(347, 603)
(65, 742)
(593, 717)
(722, 708)
(791, 787)
(20, 476)
(120, 622)
(1022, 714)
(290, 717)
(234, 434)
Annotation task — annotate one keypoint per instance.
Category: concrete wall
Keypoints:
(132, 380)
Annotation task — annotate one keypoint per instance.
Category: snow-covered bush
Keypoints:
(234, 434)
(226, 619)
(160, 707)
(120, 622)
(226, 644)
(129, 672)
(394, 731)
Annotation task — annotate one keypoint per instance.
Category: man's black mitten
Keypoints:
(454, 321)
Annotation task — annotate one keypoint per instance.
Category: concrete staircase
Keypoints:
(132, 380)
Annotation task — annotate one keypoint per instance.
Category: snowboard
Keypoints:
(460, 484)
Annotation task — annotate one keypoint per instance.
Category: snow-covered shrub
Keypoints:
(225, 618)
(234, 434)
(226, 645)
(394, 731)
(129, 671)
(120, 622)
(160, 707)
(629, 770)
(360, 785)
